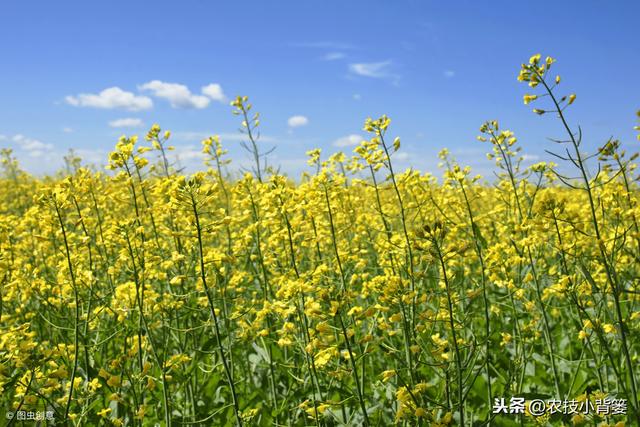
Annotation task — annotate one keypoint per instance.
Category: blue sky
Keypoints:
(438, 69)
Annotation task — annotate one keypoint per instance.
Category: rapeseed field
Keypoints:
(358, 294)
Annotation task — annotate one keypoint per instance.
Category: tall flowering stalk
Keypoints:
(537, 73)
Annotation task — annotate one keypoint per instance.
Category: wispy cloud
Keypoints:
(297, 121)
(189, 136)
(67, 130)
(370, 69)
(188, 153)
(401, 156)
(92, 156)
(376, 70)
(347, 141)
(127, 122)
(324, 45)
(449, 74)
(111, 98)
(333, 56)
(33, 147)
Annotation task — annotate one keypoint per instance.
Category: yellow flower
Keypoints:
(142, 410)
(104, 412)
(113, 381)
(387, 375)
(506, 338)
(608, 328)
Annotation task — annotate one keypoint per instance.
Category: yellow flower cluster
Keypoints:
(359, 295)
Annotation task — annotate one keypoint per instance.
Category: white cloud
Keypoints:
(128, 122)
(32, 147)
(110, 98)
(333, 56)
(401, 156)
(67, 130)
(214, 92)
(371, 69)
(189, 136)
(92, 156)
(530, 157)
(347, 141)
(188, 153)
(357, 96)
(297, 121)
(177, 94)
(3, 137)
(324, 45)
(449, 73)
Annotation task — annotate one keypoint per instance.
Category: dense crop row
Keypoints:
(359, 295)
